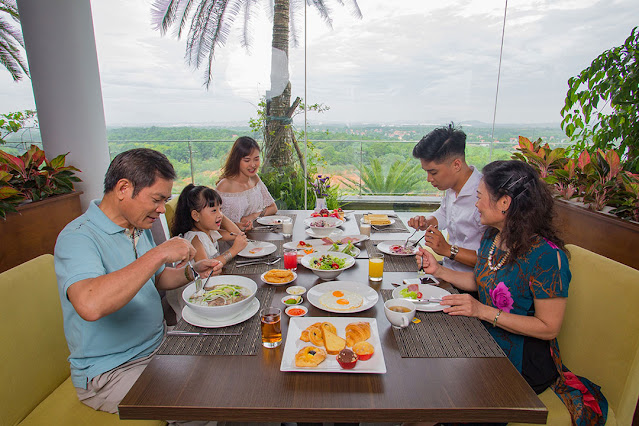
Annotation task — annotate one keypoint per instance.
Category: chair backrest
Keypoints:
(599, 338)
(33, 360)
(170, 212)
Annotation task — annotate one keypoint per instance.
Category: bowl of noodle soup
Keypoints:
(223, 297)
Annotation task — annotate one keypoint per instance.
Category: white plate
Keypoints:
(388, 224)
(272, 220)
(293, 344)
(357, 238)
(276, 284)
(337, 233)
(200, 321)
(385, 247)
(312, 243)
(370, 296)
(428, 291)
(260, 248)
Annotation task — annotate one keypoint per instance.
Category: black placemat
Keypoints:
(398, 226)
(392, 263)
(440, 335)
(247, 343)
(232, 268)
(257, 227)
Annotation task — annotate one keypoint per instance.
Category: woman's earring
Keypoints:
(503, 212)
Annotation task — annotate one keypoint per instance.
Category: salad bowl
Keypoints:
(324, 264)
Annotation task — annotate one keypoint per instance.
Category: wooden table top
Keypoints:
(253, 389)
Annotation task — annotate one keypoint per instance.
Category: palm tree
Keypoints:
(210, 24)
(402, 178)
(11, 41)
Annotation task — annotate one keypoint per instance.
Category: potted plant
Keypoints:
(31, 177)
(37, 200)
(598, 201)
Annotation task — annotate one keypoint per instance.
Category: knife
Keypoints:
(198, 333)
(431, 300)
(255, 260)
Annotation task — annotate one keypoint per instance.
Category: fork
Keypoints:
(272, 262)
(411, 236)
(196, 278)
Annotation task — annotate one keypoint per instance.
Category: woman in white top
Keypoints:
(244, 196)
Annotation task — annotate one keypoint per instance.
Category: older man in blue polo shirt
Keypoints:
(109, 272)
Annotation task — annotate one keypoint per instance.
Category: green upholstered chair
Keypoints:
(35, 382)
(599, 338)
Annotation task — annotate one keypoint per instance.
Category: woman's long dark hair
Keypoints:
(242, 147)
(192, 198)
(531, 210)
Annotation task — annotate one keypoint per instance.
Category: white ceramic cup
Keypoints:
(399, 319)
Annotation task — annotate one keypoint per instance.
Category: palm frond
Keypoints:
(323, 10)
(247, 35)
(163, 14)
(11, 8)
(11, 43)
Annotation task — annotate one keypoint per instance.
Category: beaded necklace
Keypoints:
(492, 252)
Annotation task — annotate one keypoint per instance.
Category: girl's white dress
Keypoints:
(211, 247)
(236, 205)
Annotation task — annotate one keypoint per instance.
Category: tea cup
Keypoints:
(399, 312)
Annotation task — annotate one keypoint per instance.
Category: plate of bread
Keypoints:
(333, 345)
(378, 219)
(278, 276)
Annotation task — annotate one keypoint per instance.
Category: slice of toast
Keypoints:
(333, 342)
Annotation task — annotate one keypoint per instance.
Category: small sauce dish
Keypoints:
(296, 290)
(296, 311)
(292, 300)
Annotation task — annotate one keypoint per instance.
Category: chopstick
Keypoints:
(197, 333)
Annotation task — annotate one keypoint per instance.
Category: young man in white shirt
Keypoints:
(442, 154)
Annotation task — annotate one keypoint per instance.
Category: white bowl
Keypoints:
(329, 225)
(226, 311)
(303, 308)
(327, 274)
(296, 290)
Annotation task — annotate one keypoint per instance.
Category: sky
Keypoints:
(404, 61)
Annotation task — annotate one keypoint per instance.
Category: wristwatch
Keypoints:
(453, 252)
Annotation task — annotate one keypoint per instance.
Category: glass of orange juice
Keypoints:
(376, 267)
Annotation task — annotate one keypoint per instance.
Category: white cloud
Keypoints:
(414, 60)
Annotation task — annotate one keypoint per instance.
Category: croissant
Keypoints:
(357, 332)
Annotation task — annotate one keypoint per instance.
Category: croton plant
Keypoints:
(597, 178)
(31, 177)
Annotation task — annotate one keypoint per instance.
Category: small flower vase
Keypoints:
(320, 203)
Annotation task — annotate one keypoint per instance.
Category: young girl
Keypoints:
(245, 196)
(198, 218)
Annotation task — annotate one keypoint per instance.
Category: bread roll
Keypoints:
(357, 332)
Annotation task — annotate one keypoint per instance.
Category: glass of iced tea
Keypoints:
(376, 266)
(271, 327)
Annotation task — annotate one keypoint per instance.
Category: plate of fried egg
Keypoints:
(342, 296)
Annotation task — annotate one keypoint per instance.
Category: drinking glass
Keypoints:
(271, 327)
(376, 267)
(287, 228)
(365, 229)
(290, 259)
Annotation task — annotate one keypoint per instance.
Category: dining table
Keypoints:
(465, 379)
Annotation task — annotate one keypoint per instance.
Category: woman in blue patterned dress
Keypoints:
(522, 278)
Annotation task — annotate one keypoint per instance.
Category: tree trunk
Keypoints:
(278, 137)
